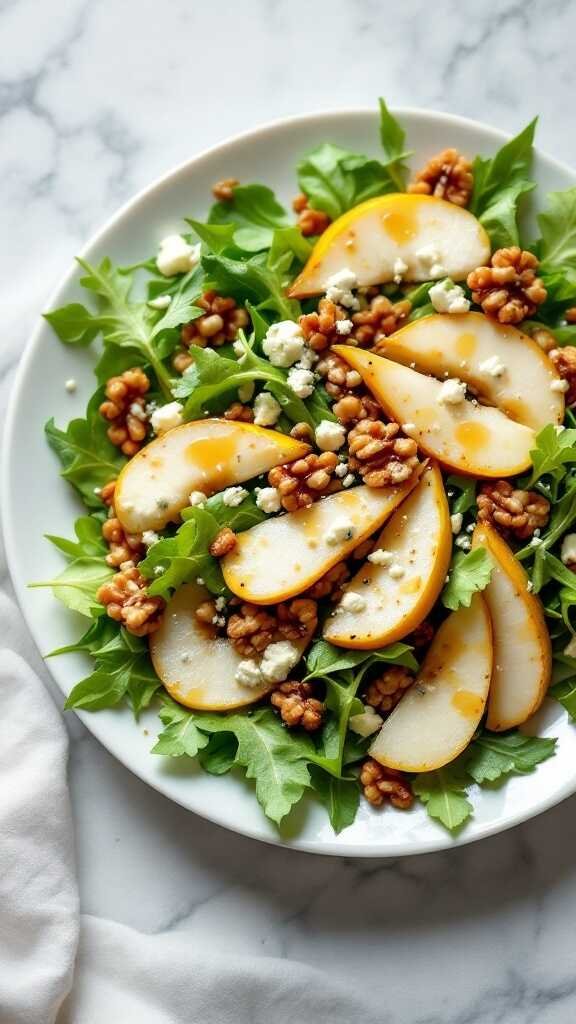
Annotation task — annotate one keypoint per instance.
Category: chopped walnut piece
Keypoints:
(206, 612)
(352, 408)
(298, 706)
(181, 360)
(300, 483)
(339, 378)
(297, 619)
(381, 318)
(544, 338)
(422, 635)
(512, 511)
(107, 493)
(319, 328)
(239, 412)
(251, 629)
(564, 360)
(125, 409)
(385, 692)
(221, 321)
(379, 455)
(380, 784)
(508, 289)
(302, 432)
(126, 601)
(570, 315)
(331, 583)
(223, 191)
(310, 222)
(447, 175)
(123, 546)
(224, 542)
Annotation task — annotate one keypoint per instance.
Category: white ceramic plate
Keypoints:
(35, 501)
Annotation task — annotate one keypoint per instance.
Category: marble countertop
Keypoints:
(96, 99)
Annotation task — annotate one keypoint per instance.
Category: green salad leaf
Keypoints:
(185, 557)
(123, 671)
(466, 499)
(393, 142)
(181, 735)
(255, 213)
(76, 586)
(557, 246)
(252, 280)
(563, 687)
(74, 324)
(494, 755)
(444, 793)
(340, 797)
(553, 452)
(88, 458)
(499, 183)
(468, 573)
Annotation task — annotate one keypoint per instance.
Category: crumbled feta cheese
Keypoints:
(353, 602)
(284, 343)
(365, 723)
(452, 392)
(456, 522)
(248, 673)
(150, 537)
(167, 417)
(463, 542)
(493, 366)
(344, 327)
(175, 256)
(339, 288)
(70, 385)
(220, 604)
(330, 436)
(234, 496)
(268, 499)
(529, 586)
(399, 269)
(568, 550)
(246, 391)
(348, 480)
(238, 349)
(97, 490)
(200, 581)
(278, 661)
(197, 499)
(447, 297)
(342, 529)
(341, 470)
(429, 257)
(536, 541)
(559, 385)
(266, 410)
(308, 359)
(396, 571)
(381, 557)
(160, 302)
(301, 382)
(138, 412)
(409, 428)
(570, 649)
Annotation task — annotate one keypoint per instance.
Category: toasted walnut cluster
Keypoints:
(381, 318)
(508, 289)
(320, 328)
(447, 175)
(125, 409)
(331, 584)
(220, 322)
(422, 636)
(302, 482)
(224, 542)
(339, 379)
(512, 512)
(310, 222)
(386, 691)
(252, 628)
(355, 407)
(298, 706)
(239, 412)
(380, 455)
(123, 546)
(381, 784)
(223, 191)
(564, 360)
(126, 601)
(332, 325)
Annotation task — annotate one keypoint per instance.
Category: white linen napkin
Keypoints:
(115, 975)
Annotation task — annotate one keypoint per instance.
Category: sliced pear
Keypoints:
(284, 556)
(418, 538)
(438, 715)
(475, 348)
(431, 237)
(197, 666)
(204, 455)
(522, 648)
(467, 437)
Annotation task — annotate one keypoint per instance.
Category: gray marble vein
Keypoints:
(96, 99)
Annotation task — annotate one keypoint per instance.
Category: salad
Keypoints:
(329, 481)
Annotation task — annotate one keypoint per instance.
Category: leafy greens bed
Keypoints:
(251, 250)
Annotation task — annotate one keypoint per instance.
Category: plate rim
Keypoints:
(445, 842)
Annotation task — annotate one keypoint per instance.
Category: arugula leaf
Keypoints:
(467, 497)
(324, 658)
(552, 453)
(444, 793)
(239, 517)
(102, 633)
(218, 238)
(76, 586)
(335, 179)
(73, 324)
(175, 560)
(393, 138)
(499, 183)
(219, 755)
(492, 756)
(181, 735)
(563, 687)
(89, 459)
(468, 573)
(123, 670)
(557, 246)
(88, 530)
(562, 518)
(255, 213)
(340, 797)
(251, 280)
